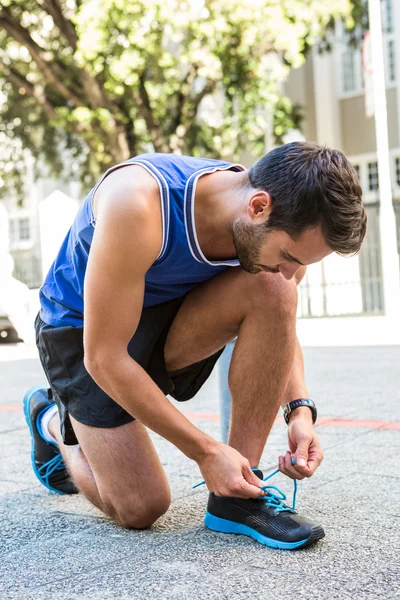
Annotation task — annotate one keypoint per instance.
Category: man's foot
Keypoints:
(267, 520)
(47, 462)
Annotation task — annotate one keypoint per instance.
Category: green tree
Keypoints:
(108, 79)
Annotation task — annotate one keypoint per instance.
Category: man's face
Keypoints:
(275, 251)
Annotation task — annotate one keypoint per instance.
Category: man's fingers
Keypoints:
(286, 467)
(248, 486)
(295, 473)
(313, 464)
(251, 477)
(245, 490)
(251, 481)
(301, 454)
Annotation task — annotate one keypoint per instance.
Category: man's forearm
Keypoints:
(296, 387)
(128, 384)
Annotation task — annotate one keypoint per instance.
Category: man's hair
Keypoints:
(313, 186)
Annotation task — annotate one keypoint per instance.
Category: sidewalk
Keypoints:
(60, 548)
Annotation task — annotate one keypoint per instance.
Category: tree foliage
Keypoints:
(87, 83)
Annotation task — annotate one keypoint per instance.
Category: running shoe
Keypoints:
(47, 462)
(267, 519)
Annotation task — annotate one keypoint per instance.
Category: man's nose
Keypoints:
(288, 270)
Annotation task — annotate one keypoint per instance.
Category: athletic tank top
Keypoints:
(180, 265)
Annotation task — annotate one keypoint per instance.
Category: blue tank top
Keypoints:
(180, 265)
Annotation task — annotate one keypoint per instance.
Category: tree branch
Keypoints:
(128, 125)
(37, 93)
(208, 89)
(67, 28)
(94, 93)
(22, 36)
(154, 129)
(188, 116)
(182, 96)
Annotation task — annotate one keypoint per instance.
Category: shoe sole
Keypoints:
(225, 526)
(27, 413)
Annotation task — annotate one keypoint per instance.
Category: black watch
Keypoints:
(291, 406)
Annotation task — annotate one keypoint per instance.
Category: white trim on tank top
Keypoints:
(165, 217)
(196, 176)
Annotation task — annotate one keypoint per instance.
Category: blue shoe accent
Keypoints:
(225, 526)
(56, 463)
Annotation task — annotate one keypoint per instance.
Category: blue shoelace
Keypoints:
(271, 499)
(54, 464)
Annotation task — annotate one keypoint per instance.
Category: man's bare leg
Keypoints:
(261, 310)
(118, 470)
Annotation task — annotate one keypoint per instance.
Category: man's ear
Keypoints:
(259, 206)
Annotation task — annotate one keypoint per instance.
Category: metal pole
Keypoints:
(387, 219)
(224, 395)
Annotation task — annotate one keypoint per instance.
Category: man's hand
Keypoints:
(228, 473)
(304, 445)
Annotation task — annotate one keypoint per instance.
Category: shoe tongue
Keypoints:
(259, 473)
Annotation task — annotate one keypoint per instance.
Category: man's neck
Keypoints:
(217, 203)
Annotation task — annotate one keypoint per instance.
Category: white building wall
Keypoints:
(334, 286)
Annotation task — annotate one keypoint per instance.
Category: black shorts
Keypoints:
(76, 393)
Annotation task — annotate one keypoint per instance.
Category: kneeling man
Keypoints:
(169, 259)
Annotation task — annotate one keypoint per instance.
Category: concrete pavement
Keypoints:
(61, 548)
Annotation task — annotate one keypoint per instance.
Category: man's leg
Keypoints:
(118, 470)
(261, 311)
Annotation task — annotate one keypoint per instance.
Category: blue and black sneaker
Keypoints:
(47, 462)
(266, 519)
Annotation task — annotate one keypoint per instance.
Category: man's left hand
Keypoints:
(304, 445)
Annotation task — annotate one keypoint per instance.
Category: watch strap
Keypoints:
(291, 406)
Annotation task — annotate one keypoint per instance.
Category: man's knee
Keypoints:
(135, 512)
(273, 296)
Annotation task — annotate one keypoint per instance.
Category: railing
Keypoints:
(346, 286)
(28, 269)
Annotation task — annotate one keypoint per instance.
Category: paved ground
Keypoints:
(62, 548)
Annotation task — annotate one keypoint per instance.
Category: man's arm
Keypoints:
(126, 242)
(303, 442)
(296, 387)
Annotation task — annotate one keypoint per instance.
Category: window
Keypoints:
(24, 230)
(387, 15)
(373, 178)
(350, 66)
(357, 170)
(391, 51)
(20, 230)
(397, 170)
(348, 71)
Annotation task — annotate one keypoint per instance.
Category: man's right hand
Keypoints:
(228, 473)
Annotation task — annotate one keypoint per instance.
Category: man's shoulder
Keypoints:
(131, 185)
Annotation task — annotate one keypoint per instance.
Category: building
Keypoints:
(25, 240)
(330, 87)
(341, 300)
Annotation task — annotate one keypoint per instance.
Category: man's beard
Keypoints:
(248, 242)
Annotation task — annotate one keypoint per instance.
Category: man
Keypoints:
(169, 259)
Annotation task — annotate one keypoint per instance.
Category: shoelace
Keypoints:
(275, 501)
(271, 499)
(54, 464)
